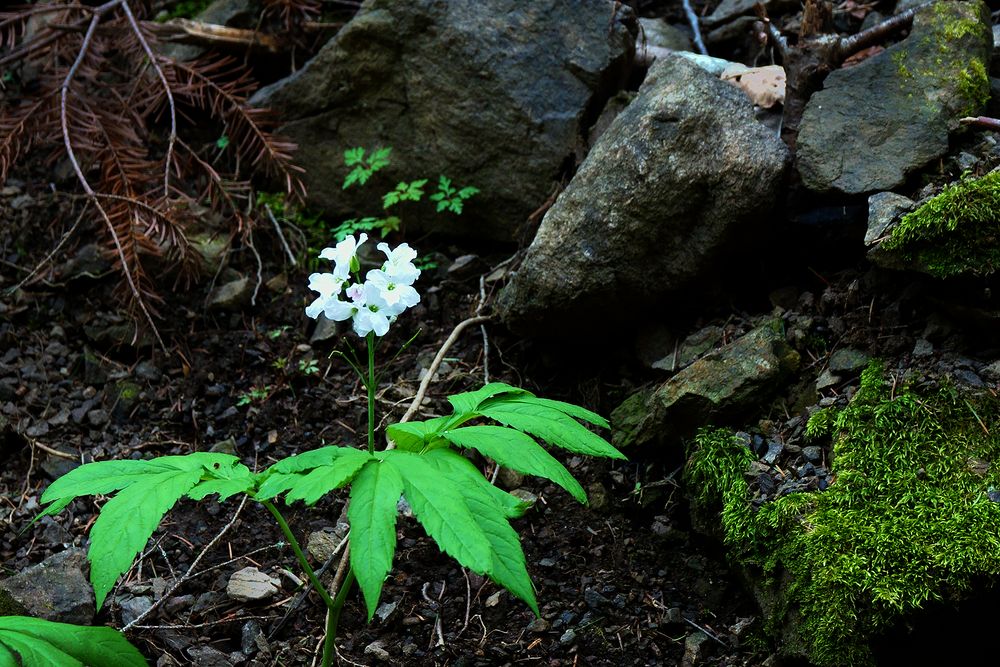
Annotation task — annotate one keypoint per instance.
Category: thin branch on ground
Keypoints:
(187, 575)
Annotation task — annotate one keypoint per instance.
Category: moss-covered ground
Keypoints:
(912, 516)
(956, 232)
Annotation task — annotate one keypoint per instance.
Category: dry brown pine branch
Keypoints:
(103, 99)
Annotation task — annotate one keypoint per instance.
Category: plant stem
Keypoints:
(370, 339)
(333, 606)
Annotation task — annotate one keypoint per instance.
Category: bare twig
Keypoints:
(695, 29)
(425, 383)
(190, 570)
(281, 237)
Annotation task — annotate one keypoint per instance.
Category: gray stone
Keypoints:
(813, 453)
(681, 174)
(134, 607)
(696, 648)
(884, 209)
(56, 589)
(726, 382)
(206, 656)
(826, 379)
(492, 93)
(877, 122)
(923, 348)
(232, 295)
(250, 584)
(377, 650)
(848, 360)
(658, 33)
(991, 372)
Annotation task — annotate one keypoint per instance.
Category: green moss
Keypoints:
(907, 520)
(899, 59)
(956, 232)
(974, 85)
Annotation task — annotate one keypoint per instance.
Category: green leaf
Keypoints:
(441, 510)
(471, 400)
(467, 192)
(311, 475)
(444, 185)
(372, 515)
(145, 491)
(222, 142)
(463, 474)
(127, 521)
(414, 436)
(353, 156)
(378, 159)
(456, 206)
(517, 451)
(569, 409)
(442, 205)
(507, 562)
(40, 642)
(549, 424)
(226, 488)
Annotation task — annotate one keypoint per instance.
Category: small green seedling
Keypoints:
(308, 366)
(255, 395)
(364, 167)
(449, 198)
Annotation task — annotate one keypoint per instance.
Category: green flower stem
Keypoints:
(333, 606)
(333, 618)
(371, 392)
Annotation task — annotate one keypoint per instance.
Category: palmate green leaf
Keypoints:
(146, 490)
(490, 510)
(441, 510)
(372, 515)
(34, 642)
(517, 451)
(549, 424)
(310, 476)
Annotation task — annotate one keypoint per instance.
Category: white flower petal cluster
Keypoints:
(374, 304)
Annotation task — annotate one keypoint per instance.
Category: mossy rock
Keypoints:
(912, 518)
(874, 124)
(955, 233)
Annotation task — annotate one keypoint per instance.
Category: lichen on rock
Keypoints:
(911, 518)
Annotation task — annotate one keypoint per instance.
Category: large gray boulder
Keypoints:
(875, 123)
(491, 93)
(680, 174)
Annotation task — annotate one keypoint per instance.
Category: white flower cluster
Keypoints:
(374, 304)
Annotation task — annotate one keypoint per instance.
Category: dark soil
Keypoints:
(621, 582)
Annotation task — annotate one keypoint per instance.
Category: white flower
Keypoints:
(372, 313)
(328, 285)
(343, 255)
(374, 304)
(397, 296)
(399, 265)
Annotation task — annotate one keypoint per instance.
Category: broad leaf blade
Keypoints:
(550, 425)
(127, 521)
(517, 451)
(441, 510)
(569, 409)
(226, 488)
(508, 567)
(470, 400)
(414, 436)
(94, 478)
(462, 473)
(372, 515)
(31, 651)
(312, 486)
(95, 647)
